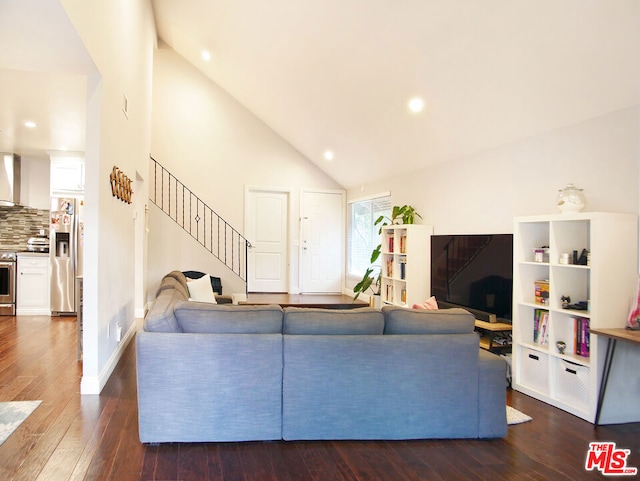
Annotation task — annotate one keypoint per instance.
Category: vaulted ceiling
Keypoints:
(337, 75)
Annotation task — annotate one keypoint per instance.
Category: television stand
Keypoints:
(488, 336)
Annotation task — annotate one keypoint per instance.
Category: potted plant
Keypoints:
(399, 215)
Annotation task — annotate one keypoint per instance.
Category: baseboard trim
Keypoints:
(141, 311)
(32, 312)
(94, 385)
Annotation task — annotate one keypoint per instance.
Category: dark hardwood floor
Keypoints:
(73, 437)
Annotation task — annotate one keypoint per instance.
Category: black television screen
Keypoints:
(475, 272)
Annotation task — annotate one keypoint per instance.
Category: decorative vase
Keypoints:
(570, 199)
(375, 301)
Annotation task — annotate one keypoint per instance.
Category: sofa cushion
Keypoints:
(306, 321)
(202, 317)
(161, 317)
(400, 320)
(201, 290)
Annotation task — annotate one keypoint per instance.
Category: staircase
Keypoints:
(200, 221)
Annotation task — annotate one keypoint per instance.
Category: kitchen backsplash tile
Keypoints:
(19, 223)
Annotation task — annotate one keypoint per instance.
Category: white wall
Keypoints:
(217, 148)
(120, 37)
(484, 192)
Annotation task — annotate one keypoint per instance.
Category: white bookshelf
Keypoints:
(405, 263)
(570, 381)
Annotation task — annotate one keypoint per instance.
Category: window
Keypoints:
(362, 235)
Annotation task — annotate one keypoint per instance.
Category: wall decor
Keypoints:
(120, 185)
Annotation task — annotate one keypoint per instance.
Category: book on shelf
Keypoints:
(403, 244)
(390, 267)
(541, 327)
(389, 293)
(403, 268)
(391, 236)
(542, 291)
(581, 336)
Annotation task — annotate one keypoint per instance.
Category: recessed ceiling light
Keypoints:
(416, 104)
(30, 124)
(206, 56)
(328, 155)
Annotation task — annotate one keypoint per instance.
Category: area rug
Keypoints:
(13, 414)
(516, 417)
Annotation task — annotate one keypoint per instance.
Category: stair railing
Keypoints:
(200, 221)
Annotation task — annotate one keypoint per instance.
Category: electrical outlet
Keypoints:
(108, 331)
(118, 332)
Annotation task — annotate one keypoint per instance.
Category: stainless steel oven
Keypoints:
(7, 283)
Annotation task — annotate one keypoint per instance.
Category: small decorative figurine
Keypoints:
(565, 301)
(561, 345)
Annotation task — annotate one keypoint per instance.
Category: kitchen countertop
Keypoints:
(32, 254)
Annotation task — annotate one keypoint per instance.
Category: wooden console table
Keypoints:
(613, 336)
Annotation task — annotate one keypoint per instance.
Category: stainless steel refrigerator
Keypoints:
(65, 250)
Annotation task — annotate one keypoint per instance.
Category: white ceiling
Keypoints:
(337, 74)
(43, 68)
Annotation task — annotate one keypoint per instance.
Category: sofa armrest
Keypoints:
(492, 385)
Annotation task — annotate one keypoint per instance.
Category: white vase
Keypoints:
(375, 301)
(570, 199)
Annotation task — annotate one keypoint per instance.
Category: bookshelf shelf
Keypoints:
(406, 252)
(570, 380)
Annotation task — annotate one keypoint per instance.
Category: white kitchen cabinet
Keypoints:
(67, 175)
(32, 290)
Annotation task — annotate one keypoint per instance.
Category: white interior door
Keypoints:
(322, 241)
(266, 229)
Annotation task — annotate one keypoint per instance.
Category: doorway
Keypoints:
(266, 228)
(322, 241)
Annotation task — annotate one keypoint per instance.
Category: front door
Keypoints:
(322, 241)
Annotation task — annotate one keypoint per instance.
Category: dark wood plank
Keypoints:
(230, 462)
(287, 462)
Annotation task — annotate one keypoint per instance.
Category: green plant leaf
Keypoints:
(375, 254)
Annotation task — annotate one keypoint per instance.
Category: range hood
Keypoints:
(9, 179)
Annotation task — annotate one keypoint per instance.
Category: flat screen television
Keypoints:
(475, 272)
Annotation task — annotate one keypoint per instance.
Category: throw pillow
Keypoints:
(429, 304)
(201, 290)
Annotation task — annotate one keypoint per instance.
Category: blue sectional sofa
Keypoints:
(211, 372)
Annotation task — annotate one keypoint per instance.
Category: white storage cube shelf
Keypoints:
(405, 261)
(570, 380)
